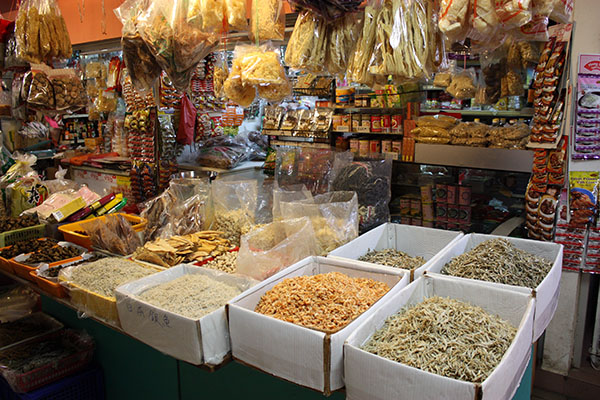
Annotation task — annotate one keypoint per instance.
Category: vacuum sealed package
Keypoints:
(268, 249)
(308, 44)
(583, 196)
(267, 20)
(143, 70)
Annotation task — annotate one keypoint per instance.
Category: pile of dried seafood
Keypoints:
(497, 260)
(393, 258)
(183, 249)
(325, 302)
(445, 337)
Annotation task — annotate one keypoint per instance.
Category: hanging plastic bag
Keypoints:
(358, 67)
(537, 28)
(235, 11)
(454, 19)
(206, 15)
(308, 44)
(562, 11)
(513, 13)
(266, 250)
(40, 92)
(69, 93)
(463, 84)
(141, 65)
(267, 21)
(484, 20)
(22, 166)
(342, 37)
(220, 73)
(333, 215)
(187, 122)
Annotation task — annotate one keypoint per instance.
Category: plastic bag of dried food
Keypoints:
(26, 192)
(40, 93)
(139, 61)
(562, 10)
(463, 84)
(476, 129)
(288, 194)
(114, 234)
(342, 36)
(220, 73)
(371, 180)
(407, 42)
(309, 167)
(512, 84)
(267, 21)
(206, 15)
(454, 19)
(433, 139)
(41, 31)
(267, 250)
(233, 207)
(537, 28)
(442, 79)
(358, 67)
(307, 46)
(222, 152)
(430, 131)
(235, 12)
(493, 68)
(513, 13)
(484, 20)
(236, 90)
(334, 217)
(437, 121)
(192, 43)
(68, 90)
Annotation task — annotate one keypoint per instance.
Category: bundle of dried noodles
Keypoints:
(307, 46)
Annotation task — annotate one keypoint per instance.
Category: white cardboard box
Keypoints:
(372, 377)
(304, 356)
(546, 293)
(197, 341)
(413, 240)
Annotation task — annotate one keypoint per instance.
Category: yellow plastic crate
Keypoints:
(71, 232)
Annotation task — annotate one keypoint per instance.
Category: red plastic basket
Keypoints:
(55, 370)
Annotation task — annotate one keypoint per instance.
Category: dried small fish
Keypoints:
(445, 337)
(393, 258)
(325, 302)
(497, 260)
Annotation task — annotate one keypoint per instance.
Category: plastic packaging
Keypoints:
(484, 20)
(68, 90)
(143, 69)
(25, 193)
(206, 15)
(266, 250)
(513, 13)
(288, 194)
(333, 215)
(453, 19)
(358, 67)
(113, 234)
(16, 301)
(220, 73)
(267, 20)
(234, 207)
(40, 92)
(222, 152)
(371, 180)
(342, 37)
(463, 84)
(308, 44)
(235, 11)
(59, 183)
(562, 10)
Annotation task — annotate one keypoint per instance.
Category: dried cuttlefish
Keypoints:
(445, 337)
(497, 260)
(393, 258)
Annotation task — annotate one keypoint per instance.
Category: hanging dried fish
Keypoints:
(393, 258)
(497, 260)
(445, 337)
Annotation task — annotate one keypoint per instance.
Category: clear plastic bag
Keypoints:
(454, 19)
(267, 20)
(22, 166)
(463, 84)
(484, 20)
(562, 10)
(206, 15)
(114, 234)
(40, 92)
(235, 11)
(537, 28)
(220, 73)
(342, 37)
(233, 207)
(142, 68)
(307, 47)
(358, 67)
(17, 301)
(222, 152)
(286, 195)
(69, 93)
(266, 250)
(513, 13)
(25, 193)
(333, 215)
(371, 180)
(59, 183)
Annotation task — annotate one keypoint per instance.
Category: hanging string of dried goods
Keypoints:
(445, 337)
(41, 32)
(498, 260)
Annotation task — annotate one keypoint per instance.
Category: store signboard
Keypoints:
(546, 294)
(369, 376)
(307, 357)
(205, 340)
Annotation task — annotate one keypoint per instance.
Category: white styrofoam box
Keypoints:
(301, 355)
(546, 293)
(413, 240)
(368, 376)
(197, 341)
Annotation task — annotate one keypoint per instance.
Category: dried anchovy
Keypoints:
(325, 302)
(21, 329)
(105, 275)
(393, 258)
(191, 295)
(35, 355)
(226, 262)
(445, 337)
(497, 260)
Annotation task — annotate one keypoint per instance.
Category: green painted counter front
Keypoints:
(133, 370)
